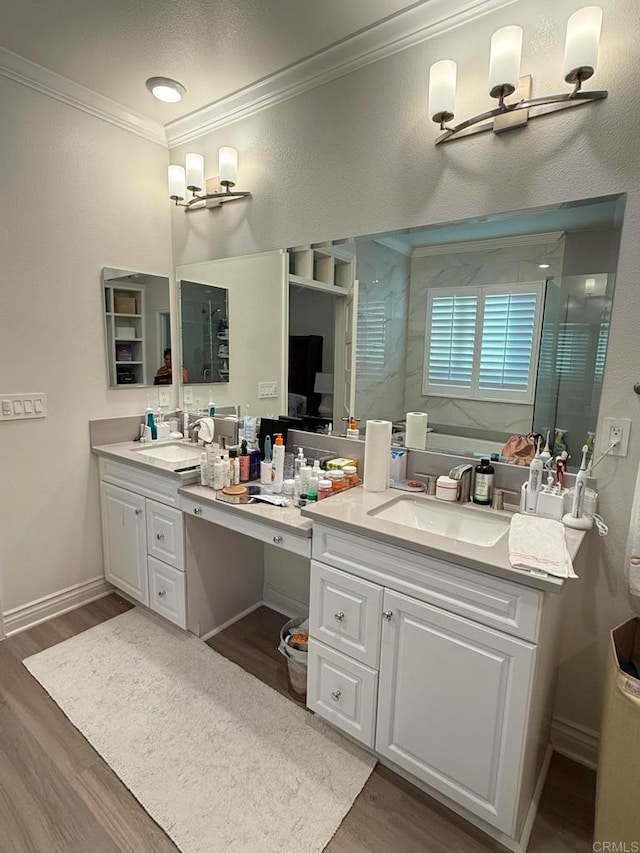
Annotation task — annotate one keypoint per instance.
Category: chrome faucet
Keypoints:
(462, 473)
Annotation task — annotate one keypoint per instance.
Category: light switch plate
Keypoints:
(187, 394)
(163, 397)
(267, 390)
(22, 407)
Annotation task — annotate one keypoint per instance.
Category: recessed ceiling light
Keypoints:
(544, 266)
(165, 89)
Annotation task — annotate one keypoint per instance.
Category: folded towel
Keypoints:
(632, 559)
(207, 430)
(538, 544)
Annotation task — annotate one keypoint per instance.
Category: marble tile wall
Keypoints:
(517, 263)
(384, 278)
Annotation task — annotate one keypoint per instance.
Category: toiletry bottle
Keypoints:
(483, 484)
(352, 429)
(234, 467)
(254, 464)
(267, 449)
(298, 462)
(245, 463)
(151, 424)
(204, 470)
(219, 467)
(278, 464)
(534, 484)
(211, 408)
(305, 478)
(560, 442)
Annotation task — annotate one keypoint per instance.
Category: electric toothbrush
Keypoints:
(575, 519)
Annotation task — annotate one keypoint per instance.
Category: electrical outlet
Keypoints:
(616, 429)
(267, 389)
(187, 394)
(163, 397)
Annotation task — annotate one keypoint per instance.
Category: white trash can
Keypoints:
(296, 660)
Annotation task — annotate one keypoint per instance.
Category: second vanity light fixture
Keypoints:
(580, 60)
(190, 177)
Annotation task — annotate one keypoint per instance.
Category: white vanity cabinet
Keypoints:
(445, 672)
(143, 538)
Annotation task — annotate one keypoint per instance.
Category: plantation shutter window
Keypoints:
(371, 340)
(482, 343)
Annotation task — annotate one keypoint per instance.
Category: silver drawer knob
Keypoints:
(277, 539)
(197, 510)
(160, 536)
(339, 616)
(162, 593)
(138, 512)
(387, 614)
(336, 695)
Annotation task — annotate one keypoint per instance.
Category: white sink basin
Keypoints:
(462, 522)
(171, 453)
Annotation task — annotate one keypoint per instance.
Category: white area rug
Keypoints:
(221, 761)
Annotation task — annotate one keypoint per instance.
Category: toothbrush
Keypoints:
(575, 518)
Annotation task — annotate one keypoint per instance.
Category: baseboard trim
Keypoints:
(575, 741)
(231, 621)
(283, 603)
(29, 615)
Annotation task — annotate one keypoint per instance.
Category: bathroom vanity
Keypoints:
(425, 645)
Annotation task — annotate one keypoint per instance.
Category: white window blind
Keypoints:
(371, 340)
(482, 342)
(452, 340)
(508, 327)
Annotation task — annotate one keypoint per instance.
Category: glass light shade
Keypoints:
(177, 183)
(228, 166)
(166, 89)
(442, 90)
(195, 172)
(581, 45)
(504, 61)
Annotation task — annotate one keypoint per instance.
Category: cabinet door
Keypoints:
(124, 540)
(167, 592)
(452, 705)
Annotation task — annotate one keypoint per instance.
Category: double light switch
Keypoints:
(18, 407)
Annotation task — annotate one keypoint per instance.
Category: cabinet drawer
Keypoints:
(342, 691)
(345, 613)
(233, 519)
(164, 534)
(167, 592)
(502, 604)
(143, 482)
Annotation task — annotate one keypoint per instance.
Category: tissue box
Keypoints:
(124, 352)
(339, 463)
(125, 333)
(125, 304)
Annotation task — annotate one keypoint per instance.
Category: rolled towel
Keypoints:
(538, 544)
(207, 430)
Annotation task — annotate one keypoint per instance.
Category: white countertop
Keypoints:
(129, 453)
(288, 518)
(350, 510)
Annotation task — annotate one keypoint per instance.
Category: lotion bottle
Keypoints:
(277, 467)
(245, 459)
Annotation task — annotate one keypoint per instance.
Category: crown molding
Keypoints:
(47, 82)
(417, 24)
(488, 244)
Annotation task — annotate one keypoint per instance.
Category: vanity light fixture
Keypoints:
(580, 61)
(190, 177)
(165, 89)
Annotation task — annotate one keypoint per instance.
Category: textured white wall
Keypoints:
(78, 194)
(356, 156)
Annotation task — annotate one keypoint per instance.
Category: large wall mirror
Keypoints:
(494, 327)
(137, 322)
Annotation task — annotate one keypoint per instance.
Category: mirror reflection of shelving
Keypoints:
(124, 312)
(205, 332)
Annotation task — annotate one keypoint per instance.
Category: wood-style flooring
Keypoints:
(58, 796)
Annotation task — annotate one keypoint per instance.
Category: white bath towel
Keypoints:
(207, 430)
(632, 559)
(538, 544)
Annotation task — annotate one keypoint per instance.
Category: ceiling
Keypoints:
(213, 47)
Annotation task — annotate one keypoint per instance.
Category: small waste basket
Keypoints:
(296, 658)
(617, 812)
